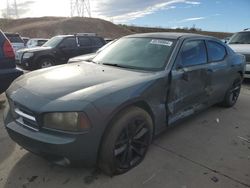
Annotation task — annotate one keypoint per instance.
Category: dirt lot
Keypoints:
(211, 149)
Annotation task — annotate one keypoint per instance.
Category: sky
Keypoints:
(210, 15)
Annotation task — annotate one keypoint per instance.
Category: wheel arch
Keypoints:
(137, 103)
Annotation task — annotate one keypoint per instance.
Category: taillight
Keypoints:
(8, 50)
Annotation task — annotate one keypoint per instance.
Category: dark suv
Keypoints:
(59, 49)
(8, 71)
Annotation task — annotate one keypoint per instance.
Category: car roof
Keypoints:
(64, 36)
(12, 34)
(38, 39)
(246, 31)
(169, 35)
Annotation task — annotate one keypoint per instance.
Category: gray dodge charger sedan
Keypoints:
(106, 111)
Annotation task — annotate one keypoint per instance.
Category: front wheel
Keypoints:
(233, 93)
(126, 142)
(45, 63)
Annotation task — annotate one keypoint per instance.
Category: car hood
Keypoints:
(86, 57)
(35, 49)
(76, 80)
(241, 48)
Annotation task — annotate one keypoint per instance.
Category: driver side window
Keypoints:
(192, 53)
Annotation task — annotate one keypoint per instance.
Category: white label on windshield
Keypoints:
(161, 42)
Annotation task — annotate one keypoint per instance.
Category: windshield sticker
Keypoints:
(161, 42)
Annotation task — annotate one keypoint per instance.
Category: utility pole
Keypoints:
(11, 9)
(80, 8)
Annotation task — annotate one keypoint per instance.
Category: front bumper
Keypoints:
(25, 63)
(54, 145)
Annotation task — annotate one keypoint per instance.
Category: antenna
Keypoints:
(80, 8)
(11, 9)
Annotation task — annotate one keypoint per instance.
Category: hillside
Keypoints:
(50, 26)
(136, 29)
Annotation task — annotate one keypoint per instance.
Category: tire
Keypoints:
(45, 63)
(126, 142)
(233, 93)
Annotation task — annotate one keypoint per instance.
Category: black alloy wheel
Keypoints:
(132, 144)
(235, 92)
(126, 141)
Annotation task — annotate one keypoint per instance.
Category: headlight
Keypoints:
(67, 121)
(27, 55)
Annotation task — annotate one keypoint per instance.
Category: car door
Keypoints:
(189, 80)
(68, 48)
(85, 45)
(219, 69)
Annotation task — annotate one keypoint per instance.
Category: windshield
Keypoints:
(240, 38)
(137, 53)
(53, 42)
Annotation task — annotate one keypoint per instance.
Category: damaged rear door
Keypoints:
(190, 81)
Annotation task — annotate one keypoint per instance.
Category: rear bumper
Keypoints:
(7, 76)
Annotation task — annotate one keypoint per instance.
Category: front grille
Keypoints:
(24, 117)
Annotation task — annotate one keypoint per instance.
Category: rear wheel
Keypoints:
(127, 141)
(46, 62)
(233, 93)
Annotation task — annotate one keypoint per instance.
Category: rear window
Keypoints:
(216, 52)
(193, 53)
(15, 38)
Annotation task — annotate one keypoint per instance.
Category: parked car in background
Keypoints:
(35, 42)
(108, 40)
(107, 111)
(32, 43)
(226, 40)
(16, 41)
(59, 50)
(25, 40)
(240, 43)
(89, 57)
(8, 70)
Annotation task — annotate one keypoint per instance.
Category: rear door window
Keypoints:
(69, 43)
(216, 51)
(84, 41)
(193, 53)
